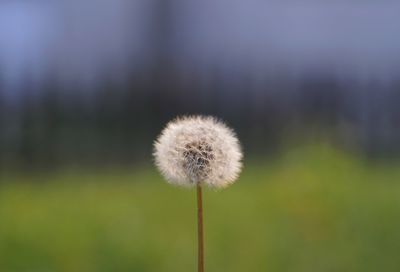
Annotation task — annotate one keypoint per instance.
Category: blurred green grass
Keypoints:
(314, 208)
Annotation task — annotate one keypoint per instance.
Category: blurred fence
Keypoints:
(117, 124)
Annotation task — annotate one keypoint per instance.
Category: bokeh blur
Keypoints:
(311, 87)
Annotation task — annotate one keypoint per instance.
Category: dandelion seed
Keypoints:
(198, 150)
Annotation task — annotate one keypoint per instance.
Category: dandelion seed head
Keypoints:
(198, 150)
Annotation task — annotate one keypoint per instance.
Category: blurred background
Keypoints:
(311, 87)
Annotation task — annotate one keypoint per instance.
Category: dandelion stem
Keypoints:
(200, 233)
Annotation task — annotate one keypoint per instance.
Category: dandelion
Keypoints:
(198, 151)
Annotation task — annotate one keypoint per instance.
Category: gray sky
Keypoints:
(359, 35)
(80, 40)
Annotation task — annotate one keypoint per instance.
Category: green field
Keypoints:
(311, 209)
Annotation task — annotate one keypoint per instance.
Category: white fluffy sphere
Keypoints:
(198, 150)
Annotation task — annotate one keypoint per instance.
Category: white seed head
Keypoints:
(198, 150)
